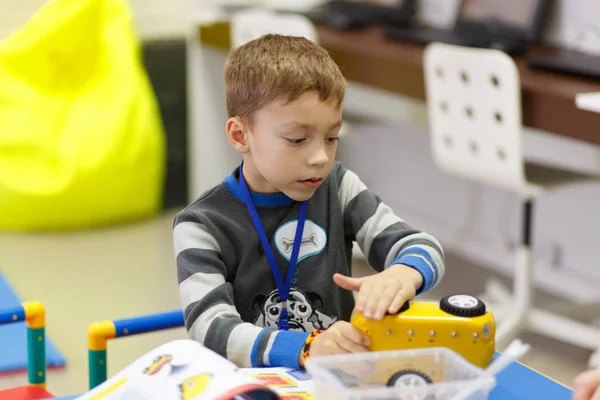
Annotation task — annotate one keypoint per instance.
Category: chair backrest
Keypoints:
(247, 25)
(473, 101)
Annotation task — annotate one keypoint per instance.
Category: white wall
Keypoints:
(574, 23)
(153, 18)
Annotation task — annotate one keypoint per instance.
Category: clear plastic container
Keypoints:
(420, 374)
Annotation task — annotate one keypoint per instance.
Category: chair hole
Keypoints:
(439, 71)
(448, 140)
(474, 147)
(444, 106)
(464, 77)
(498, 117)
(495, 81)
(501, 154)
(469, 111)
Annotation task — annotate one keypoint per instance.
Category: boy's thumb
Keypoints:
(345, 282)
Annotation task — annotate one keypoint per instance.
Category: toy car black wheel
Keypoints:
(404, 307)
(462, 305)
(411, 378)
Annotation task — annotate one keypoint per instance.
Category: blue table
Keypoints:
(518, 382)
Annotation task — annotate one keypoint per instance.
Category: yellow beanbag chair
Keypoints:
(81, 140)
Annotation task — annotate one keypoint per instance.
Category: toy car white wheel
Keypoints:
(463, 301)
(412, 379)
(462, 305)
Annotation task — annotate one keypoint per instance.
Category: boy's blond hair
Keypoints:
(279, 67)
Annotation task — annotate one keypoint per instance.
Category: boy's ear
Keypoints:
(237, 134)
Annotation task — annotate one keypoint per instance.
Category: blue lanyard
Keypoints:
(282, 287)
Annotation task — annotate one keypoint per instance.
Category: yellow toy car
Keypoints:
(411, 371)
(410, 374)
(459, 322)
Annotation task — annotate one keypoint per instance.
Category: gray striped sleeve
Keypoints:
(193, 235)
(350, 187)
(219, 327)
(265, 345)
(414, 245)
(381, 223)
(207, 298)
(383, 244)
(381, 234)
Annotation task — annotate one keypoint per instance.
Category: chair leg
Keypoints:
(548, 324)
(515, 312)
(497, 298)
(514, 321)
(565, 329)
(594, 361)
(497, 291)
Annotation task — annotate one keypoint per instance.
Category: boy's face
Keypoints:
(292, 146)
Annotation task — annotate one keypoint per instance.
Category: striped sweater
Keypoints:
(227, 290)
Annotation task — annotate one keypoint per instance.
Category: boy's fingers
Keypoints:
(596, 394)
(351, 333)
(350, 346)
(373, 300)
(401, 297)
(363, 296)
(385, 300)
(345, 282)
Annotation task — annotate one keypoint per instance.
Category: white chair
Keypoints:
(473, 101)
(247, 25)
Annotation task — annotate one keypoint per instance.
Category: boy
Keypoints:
(264, 258)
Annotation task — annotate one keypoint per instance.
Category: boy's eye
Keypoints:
(332, 140)
(296, 141)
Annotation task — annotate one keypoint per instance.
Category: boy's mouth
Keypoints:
(312, 182)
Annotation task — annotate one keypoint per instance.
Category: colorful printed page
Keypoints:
(182, 370)
(290, 384)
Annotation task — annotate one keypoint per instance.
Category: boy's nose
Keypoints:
(319, 157)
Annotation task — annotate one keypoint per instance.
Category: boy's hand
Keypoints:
(339, 338)
(587, 386)
(385, 291)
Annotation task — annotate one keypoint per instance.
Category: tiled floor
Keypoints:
(129, 270)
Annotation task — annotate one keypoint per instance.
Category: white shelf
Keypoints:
(588, 101)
